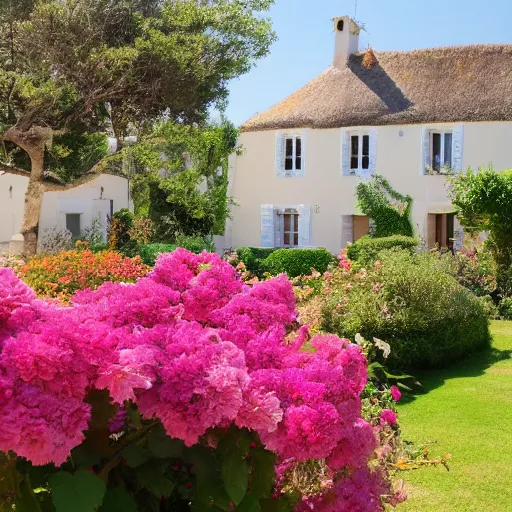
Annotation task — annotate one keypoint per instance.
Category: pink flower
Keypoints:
(387, 416)
(395, 393)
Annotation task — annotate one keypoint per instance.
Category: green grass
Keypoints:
(467, 409)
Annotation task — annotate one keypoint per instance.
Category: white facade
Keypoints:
(94, 199)
(322, 191)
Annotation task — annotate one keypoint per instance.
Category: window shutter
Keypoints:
(304, 225)
(347, 230)
(425, 152)
(278, 235)
(345, 153)
(267, 225)
(457, 147)
(279, 154)
(372, 168)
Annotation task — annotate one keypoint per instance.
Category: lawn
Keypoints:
(468, 410)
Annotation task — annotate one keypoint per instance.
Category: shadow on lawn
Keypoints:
(474, 366)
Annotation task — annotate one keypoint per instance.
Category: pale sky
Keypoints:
(306, 39)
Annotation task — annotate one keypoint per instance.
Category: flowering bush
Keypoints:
(61, 275)
(181, 391)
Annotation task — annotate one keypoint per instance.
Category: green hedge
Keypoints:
(253, 258)
(426, 316)
(297, 262)
(150, 252)
(366, 250)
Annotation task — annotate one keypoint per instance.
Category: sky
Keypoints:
(306, 39)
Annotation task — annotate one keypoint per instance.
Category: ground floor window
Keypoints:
(288, 226)
(73, 224)
(441, 230)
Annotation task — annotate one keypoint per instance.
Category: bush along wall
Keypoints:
(366, 250)
(297, 262)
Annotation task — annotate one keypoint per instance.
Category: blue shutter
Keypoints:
(304, 225)
(457, 147)
(267, 225)
(372, 168)
(425, 151)
(345, 153)
(347, 230)
(279, 156)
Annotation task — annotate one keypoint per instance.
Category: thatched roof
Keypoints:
(455, 84)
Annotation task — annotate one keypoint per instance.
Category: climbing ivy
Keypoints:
(389, 210)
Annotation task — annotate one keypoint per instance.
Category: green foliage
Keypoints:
(483, 202)
(297, 262)
(366, 250)
(253, 258)
(184, 192)
(506, 308)
(119, 238)
(388, 209)
(150, 252)
(81, 492)
(196, 244)
(428, 319)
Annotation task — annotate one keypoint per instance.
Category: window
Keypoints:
(441, 151)
(359, 153)
(290, 157)
(73, 224)
(441, 230)
(293, 154)
(289, 228)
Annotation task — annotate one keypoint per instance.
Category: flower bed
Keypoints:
(186, 387)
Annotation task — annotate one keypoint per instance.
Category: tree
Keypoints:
(389, 210)
(483, 202)
(81, 66)
(180, 178)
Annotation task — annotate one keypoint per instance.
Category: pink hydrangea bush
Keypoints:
(193, 347)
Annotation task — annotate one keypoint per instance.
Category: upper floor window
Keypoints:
(290, 159)
(359, 152)
(442, 149)
(293, 157)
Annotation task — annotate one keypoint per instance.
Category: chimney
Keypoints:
(346, 41)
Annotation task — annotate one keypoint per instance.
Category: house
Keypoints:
(411, 116)
(73, 207)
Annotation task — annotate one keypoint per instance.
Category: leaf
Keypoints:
(235, 473)
(118, 500)
(81, 492)
(27, 501)
(151, 477)
(249, 504)
(135, 456)
(163, 446)
(263, 473)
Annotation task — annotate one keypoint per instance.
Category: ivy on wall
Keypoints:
(389, 210)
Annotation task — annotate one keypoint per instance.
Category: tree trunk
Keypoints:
(33, 142)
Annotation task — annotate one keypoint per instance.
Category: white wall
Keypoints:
(88, 199)
(399, 158)
(12, 203)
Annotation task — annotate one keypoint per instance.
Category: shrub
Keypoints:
(119, 239)
(150, 252)
(428, 318)
(506, 308)
(196, 244)
(366, 250)
(253, 257)
(297, 262)
(180, 391)
(61, 275)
